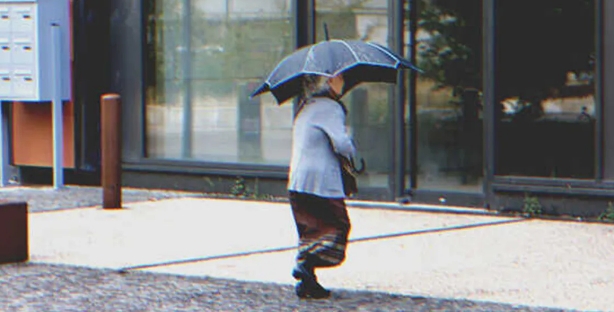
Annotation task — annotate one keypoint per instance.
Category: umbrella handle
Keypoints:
(362, 165)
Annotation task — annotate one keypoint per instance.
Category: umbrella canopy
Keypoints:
(359, 62)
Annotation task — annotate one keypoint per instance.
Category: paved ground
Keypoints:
(199, 254)
(39, 287)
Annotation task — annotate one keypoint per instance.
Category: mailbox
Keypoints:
(26, 55)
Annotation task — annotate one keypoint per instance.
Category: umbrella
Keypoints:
(359, 62)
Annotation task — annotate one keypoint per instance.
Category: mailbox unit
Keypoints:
(26, 62)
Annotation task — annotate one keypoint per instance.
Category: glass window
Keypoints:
(448, 95)
(368, 104)
(545, 88)
(205, 57)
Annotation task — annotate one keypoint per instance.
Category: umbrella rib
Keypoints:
(364, 63)
(285, 80)
(388, 53)
(279, 65)
(307, 57)
(367, 63)
(350, 48)
(353, 54)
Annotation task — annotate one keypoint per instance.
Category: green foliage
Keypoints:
(452, 55)
(608, 214)
(240, 189)
(532, 206)
(538, 43)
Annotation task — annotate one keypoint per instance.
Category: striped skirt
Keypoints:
(323, 226)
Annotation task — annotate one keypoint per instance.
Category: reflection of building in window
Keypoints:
(350, 19)
(567, 102)
(204, 58)
(238, 9)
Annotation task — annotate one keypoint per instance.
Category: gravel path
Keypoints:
(40, 287)
(47, 199)
(44, 287)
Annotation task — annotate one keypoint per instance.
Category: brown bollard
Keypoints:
(110, 144)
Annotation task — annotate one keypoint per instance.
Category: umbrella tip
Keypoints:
(263, 88)
(326, 32)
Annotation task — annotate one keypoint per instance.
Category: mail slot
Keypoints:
(23, 84)
(5, 51)
(5, 82)
(22, 19)
(5, 19)
(23, 51)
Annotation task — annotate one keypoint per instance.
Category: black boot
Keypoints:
(301, 290)
(308, 286)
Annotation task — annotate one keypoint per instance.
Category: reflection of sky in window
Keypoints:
(243, 7)
(336, 4)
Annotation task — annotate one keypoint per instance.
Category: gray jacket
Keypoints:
(314, 167)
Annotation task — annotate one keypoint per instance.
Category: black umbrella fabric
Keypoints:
(359, 62)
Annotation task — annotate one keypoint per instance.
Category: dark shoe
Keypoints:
(304, 291)
(301, 290)
(308, 286)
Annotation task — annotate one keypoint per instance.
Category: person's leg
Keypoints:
(323, 227)
(307, 228)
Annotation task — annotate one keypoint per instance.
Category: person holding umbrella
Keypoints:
(315, 187)
(320, 74)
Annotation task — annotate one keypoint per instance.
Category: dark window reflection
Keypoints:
(448, 95)
(544, 88)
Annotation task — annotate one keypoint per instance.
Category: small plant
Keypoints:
(608, 214)
(263, 197)
(532, 206)
(239, 189)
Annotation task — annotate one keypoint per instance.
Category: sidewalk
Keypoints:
(537, 263)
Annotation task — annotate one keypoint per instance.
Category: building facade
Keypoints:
(512, 103)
